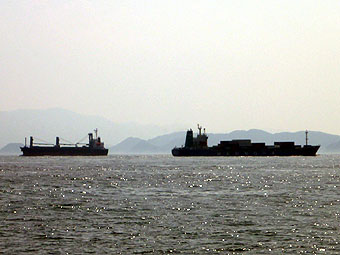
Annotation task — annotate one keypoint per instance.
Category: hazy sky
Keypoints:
(273, 65)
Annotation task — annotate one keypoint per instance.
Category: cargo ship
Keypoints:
(95, 147)
(198, 146)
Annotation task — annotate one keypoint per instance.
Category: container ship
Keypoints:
(198, 146)
(95, 147)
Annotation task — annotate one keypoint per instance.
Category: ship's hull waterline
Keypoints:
(64, 151)
(188, 152)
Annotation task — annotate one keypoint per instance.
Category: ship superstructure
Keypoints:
(198, 146)
(95, 147)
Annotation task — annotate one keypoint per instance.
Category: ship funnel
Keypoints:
(189, 139)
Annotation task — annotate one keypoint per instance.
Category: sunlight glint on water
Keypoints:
(161, 204)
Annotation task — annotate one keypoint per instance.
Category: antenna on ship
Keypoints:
(199, 129)
(306, 132)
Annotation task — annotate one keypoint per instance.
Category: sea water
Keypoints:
(159, 204)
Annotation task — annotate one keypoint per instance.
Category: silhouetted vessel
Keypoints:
(198, 146)
(94, 148)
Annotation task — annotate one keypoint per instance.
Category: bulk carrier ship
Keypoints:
(198, 146)
(95, 147)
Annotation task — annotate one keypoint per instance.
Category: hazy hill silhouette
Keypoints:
(164, 143)
(159, 144)
(47, 124)
(12, 149)
(333, 148)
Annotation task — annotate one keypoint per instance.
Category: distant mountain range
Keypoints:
(11, 149)
(163, 144)
(159, 144)
(47, 124)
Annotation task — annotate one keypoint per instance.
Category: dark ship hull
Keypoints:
(95, 147)
(301, 151)
(198, 146)
(63, 151)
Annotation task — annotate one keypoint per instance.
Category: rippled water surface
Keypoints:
(162, 205)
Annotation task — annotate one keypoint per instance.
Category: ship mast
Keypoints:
(199, 129)
(96, 131)
(306, 137)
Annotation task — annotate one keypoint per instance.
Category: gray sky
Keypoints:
(273, 65)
